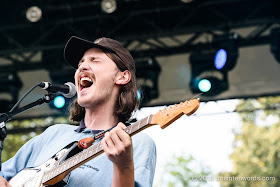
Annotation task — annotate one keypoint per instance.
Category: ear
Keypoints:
(123, 77)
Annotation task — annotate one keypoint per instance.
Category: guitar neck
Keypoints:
(50, 177)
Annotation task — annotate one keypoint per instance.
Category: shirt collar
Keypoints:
(82, 126)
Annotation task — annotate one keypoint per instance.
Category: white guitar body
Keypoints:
(28, 177)
(32, 177)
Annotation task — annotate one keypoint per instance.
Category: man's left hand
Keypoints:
(117, 145)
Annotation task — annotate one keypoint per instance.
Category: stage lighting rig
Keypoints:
(33, 14)
(205, 78)
(10, 85)
(147, 73)
(225, 51)
(61, 103)
(209, 69)
(108, 6)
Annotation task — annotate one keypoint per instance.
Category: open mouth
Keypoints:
(85, 82)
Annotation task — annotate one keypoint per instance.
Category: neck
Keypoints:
(100, 118)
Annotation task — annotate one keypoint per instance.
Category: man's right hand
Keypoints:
(4, 183)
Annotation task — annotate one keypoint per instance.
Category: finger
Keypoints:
(121, 125)
(122, 135)
(108, 140)
(119, 131)
(115, 137)
(4, 182)
(108, 145)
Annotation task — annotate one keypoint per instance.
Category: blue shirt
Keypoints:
(96, 172)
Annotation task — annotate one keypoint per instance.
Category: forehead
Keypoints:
(95, 52)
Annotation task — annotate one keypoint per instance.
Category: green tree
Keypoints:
(31, 128)
(257, 145)
(184, 171)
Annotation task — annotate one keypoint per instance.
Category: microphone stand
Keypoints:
(5, 117)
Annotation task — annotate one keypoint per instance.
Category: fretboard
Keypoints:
(91, 152)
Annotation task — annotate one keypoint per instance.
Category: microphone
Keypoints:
(68, 88)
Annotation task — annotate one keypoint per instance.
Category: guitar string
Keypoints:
(135, 125)
(101, 134)
(196, 96)
(97, 145)
(50, 174)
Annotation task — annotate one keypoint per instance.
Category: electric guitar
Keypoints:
(57, 168)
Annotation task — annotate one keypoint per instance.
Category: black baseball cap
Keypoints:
(76, 47)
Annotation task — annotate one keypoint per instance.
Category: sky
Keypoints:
(207, 136)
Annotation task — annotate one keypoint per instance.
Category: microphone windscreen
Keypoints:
(72, 90)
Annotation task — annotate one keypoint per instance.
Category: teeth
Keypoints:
(86, 79)
(86, 82)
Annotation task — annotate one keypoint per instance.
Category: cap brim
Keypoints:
(75, 49)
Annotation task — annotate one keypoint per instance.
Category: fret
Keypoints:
(73, 160)
(86, 153)
(62, 168)
(66, 165)
(76, 159)
(148, 120)
(129, 129)
(97, 147)
(55, 172)
(163, 118)
(59, 170)
(46, 176)
(91, 151)
(83, 157)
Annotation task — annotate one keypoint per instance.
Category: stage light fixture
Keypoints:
(275, 43)
(220, 59)
(147, 73)
(34, 14)
(187, 1)
(10, 85)
(60, 103)
(209, 85)
(225, 51)
(139, 95)
(217, 59)
(204, 85)
(209, 68)
(206, 76)
(108, 6)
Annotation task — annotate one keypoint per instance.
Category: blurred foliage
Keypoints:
(180, 171)
(257, 145)
(14, 141)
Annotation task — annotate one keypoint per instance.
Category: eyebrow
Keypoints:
(91, 57)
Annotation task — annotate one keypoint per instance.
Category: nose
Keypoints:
(84, 66)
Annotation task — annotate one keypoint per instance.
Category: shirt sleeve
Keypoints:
(144, 160)
(25, 156)
(18, 162)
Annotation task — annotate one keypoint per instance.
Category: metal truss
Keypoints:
(147, 28)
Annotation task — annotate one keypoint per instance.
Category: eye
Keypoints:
(81, 61)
